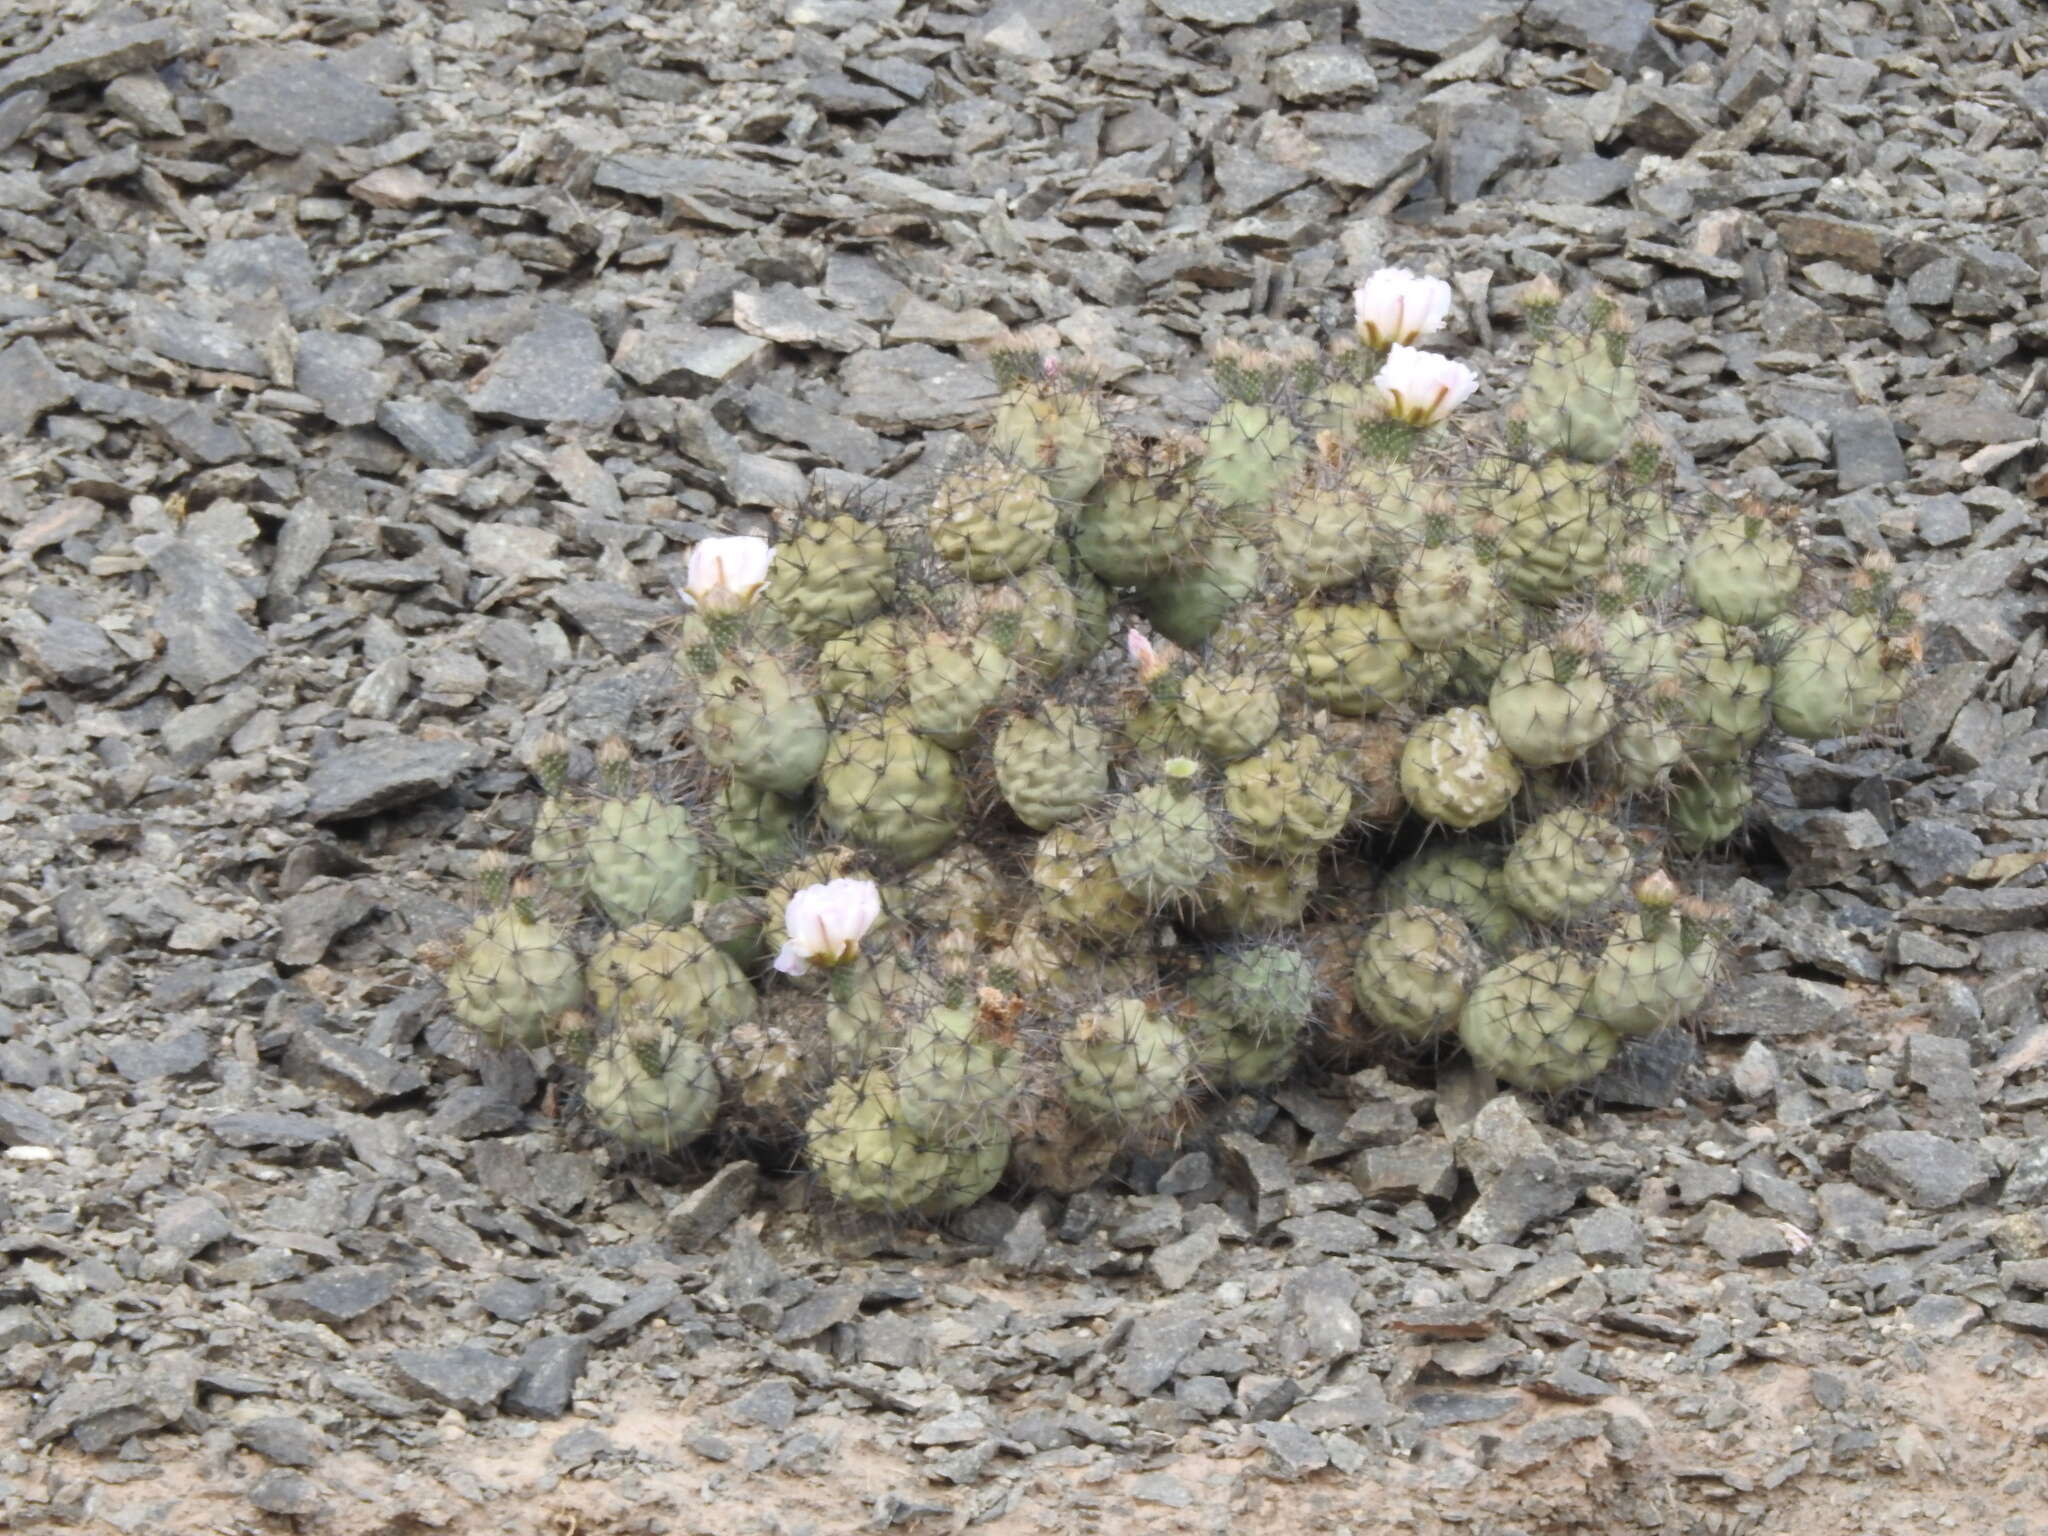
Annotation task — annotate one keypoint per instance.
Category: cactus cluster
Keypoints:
(1127, 769)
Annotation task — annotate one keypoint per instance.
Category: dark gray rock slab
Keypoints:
(894, 388)
(335, 1296)
(430, 432)
(93, 53)
(1434, 28)
(283, 1439)
(1925, 1171)
(340, 370)
(30, 385)
(556, 371)
(549, 1369)
(206, 639)
(302, 104)
(359, 1075)
(465, 1377)
(366, 777)
(1867, 451)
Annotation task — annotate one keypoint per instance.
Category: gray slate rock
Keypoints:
(556, 371)
(335, 1296)
(189, 1226)
(206, 639)
(282, 1439)
(388, 771)
(549, 1369)
(357, 1074)
(1926, 1171)
(467, 1377)
(30, 385)
(260, 1128)
(339, 369)
(431, 433)
(93, 53)
(1867, 450)
(894, 388)
(1434, 28)
(1527, 1191)
(304, 104)
(67, 650)
(281, 1491)
(1619, 33)
(310, 921)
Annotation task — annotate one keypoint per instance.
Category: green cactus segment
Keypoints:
(557, 846)
(645, 865)
(950, 684)
(1550, 705)
(1581, 395)
(756, 721)
(991, 520)
(1414, 969)
(836, 572)
(1266, 990)
(1250, 896)
(1445, 595)
(1565, 865)
(861, 668)
(1323, 535)
(1078, 887)
(672, 977)
(1455, 769)
(1249, 451)
(1036, 619)
(1646, 747)
(1560, 527)
(1140, 525)
(1228, 715)
(867, 1156)
(1640, 653)
(515, 974)
(1056, 433)
(887, 788)
(1163, 843)
(1124, 1064)
(1709, 806)
(951, 1083)
(1728, 693)
(1188, 607)
(752, 829)
(653, 1092)
(1289, 800)
(1829, 679)
(1641, 983)
(1053, 767)
(1461, 877)
(1523, 1022)
(1353, 658)
(1741, 570)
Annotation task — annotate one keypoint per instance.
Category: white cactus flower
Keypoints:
(826, 923)
(1397, 308)
(1422, 388)
(724, 574)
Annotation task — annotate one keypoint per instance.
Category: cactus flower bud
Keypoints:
(1151, 658)
(1422, 388)
(1397, 308)
(724, 574)
(826, 923)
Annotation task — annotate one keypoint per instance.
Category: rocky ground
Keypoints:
(366, 369)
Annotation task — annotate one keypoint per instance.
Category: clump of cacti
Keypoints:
(1023, 818)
